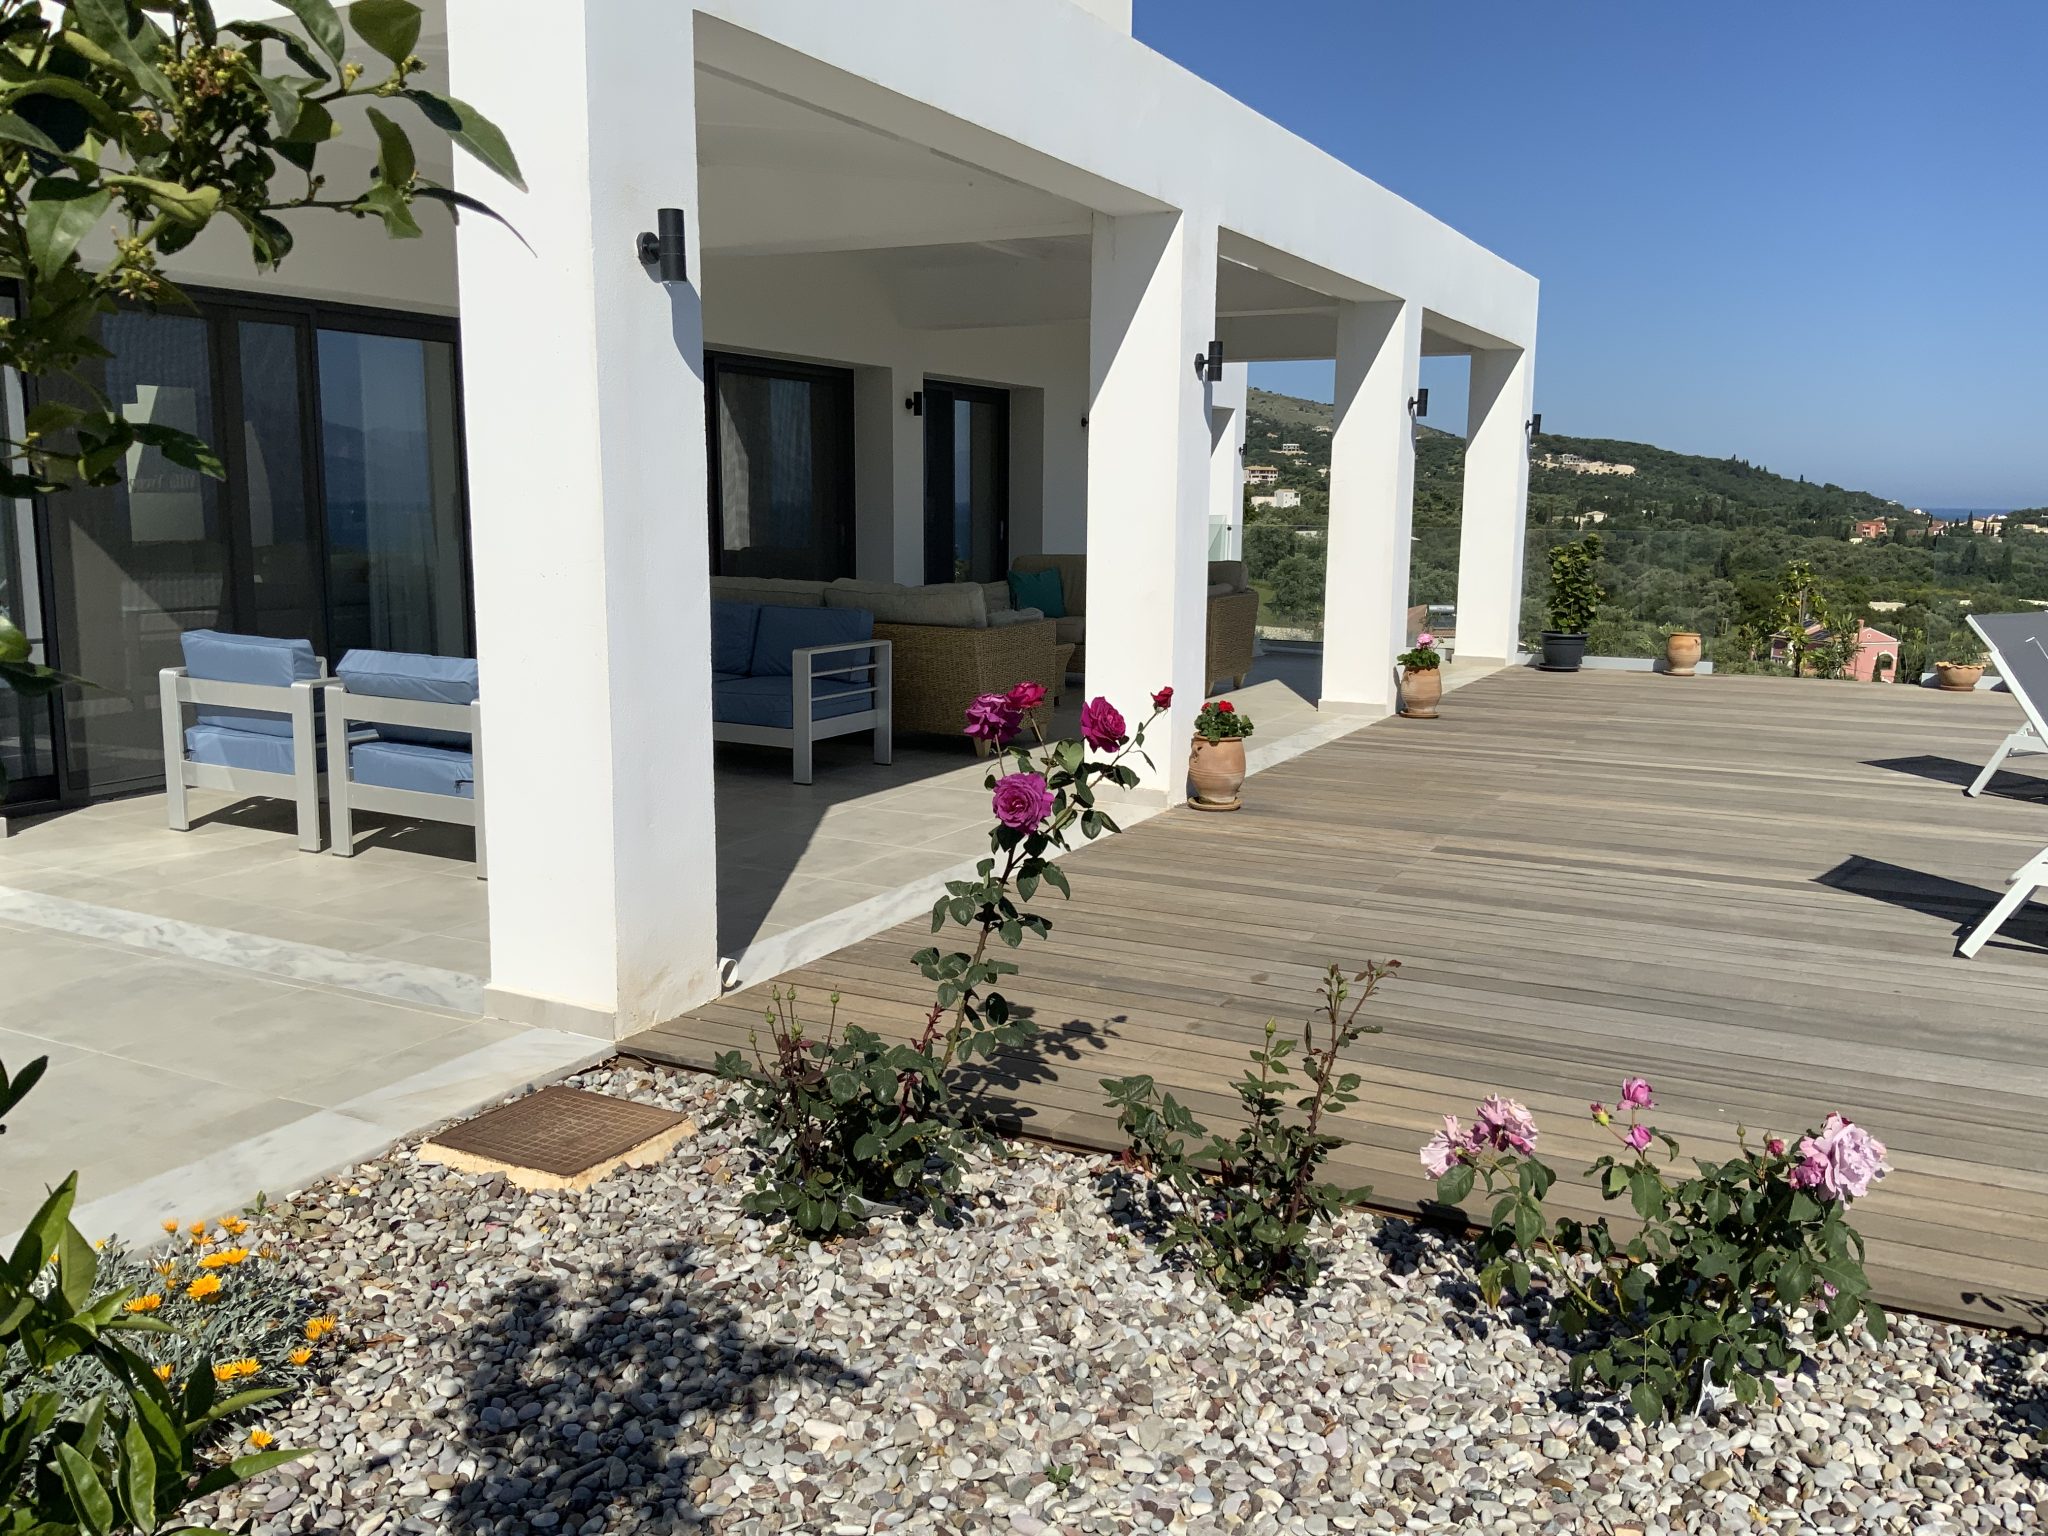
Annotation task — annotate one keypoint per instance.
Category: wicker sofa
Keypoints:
(949, 643)
(1233, 613)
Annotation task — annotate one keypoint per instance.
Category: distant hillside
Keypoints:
(1690, 541)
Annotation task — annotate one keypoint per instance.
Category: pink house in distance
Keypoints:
(1877, 654)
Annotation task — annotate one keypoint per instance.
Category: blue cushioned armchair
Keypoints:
(255, 731)
(789, 677)
(422, 755)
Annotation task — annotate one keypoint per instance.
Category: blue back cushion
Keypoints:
(1041, 590)
(783, 630)
(732, 634)
(404, 675)
(219, 657)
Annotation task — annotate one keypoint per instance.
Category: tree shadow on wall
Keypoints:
(597, 1401)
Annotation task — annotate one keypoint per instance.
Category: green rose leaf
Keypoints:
(391, 27)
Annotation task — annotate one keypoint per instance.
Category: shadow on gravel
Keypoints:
(2016, 1385)
(576, 1401)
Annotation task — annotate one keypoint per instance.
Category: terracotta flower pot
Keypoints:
(1958, 677)
(1681, 653)
(1421, 691)
(1216, 769)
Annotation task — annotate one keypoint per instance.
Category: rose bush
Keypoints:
(838, 1120)
(1705, 1293)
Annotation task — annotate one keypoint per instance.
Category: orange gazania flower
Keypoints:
(163, 1373)
(300, 1355)
(147, 1303)
(203, 1287)
(232, 1370)
(197, 1229)
(234, 1226)
(170, 1223)
(165, 1267)
(262, 1439)
(317, 1328)
(224, 1258)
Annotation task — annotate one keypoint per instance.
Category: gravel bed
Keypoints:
(643, 1356)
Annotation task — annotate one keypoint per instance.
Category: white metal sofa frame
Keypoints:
(2033, 874)
(804, 731)
(177, 688)
(345, 796)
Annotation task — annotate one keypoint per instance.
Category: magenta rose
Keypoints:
(1101, 726)
(1842, 1162)
(1026, 696)
(1635, 1093)
(1639, 1137)
(1022, 801)
(993, 717)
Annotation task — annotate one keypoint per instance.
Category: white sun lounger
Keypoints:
(2019, 646)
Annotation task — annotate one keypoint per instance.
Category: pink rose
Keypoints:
(1506, 1125)
(993, 717)
(1443, 1150)
(1026, 696)
(1022, 801)
(1101, 726)
(1842, 1162)
(1639, 1137)
(1424, 641)
(1775, 1145)
(1635, 1093)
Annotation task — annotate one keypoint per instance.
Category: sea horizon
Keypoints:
(1957, 514)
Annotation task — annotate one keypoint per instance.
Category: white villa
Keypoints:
(962, 283)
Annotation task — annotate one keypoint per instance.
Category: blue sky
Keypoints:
(1815, 235)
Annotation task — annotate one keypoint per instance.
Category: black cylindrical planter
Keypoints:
(1562, 653)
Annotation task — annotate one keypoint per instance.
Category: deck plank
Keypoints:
(1747, 889)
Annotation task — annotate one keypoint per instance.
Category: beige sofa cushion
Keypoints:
(1072, 630)
(956, 605)
(1231, 575)
(1003, 618)
(776, 590)
(996, 596)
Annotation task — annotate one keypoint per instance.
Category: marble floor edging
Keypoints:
(324, 1141)
(282, 959)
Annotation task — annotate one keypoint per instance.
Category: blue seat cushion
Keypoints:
(765, 701)
(782, 631)
(409, 765)
(406, 675)
(225, 747)
(732, 634)
(216, 656)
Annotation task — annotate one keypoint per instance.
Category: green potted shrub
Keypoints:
(1575, 597)
(1964, 668)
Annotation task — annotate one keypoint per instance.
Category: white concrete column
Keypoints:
(1372, 503)
(1496, 508)
(888, 465)
(1152, 308)
(584, 410)
(1226, 463)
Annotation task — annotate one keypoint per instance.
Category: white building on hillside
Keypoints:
(962, 281)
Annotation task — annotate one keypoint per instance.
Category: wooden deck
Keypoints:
(1746, 889)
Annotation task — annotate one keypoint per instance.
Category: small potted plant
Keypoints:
(1422, 679)
(1681, 652)
(1965, 666)
(1575, 597)
(1216, 762)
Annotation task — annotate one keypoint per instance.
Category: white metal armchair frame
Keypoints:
(177, 688)
(346, 795)
(803, 730)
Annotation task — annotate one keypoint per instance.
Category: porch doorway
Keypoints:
(966, 482)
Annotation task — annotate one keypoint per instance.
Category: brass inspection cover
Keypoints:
(559, 1138)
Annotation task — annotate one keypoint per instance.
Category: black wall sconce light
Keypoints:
(1536, 424)
(1209, 364)
(1419, 406)
(664, 248)
(915, 404)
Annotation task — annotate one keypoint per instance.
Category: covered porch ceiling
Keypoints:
(957, 244)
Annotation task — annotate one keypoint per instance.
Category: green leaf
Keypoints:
(294, 46)
(471, 130)
(395, 160)
(181, 448)
(1648, 1405)
(138, 1476)
(39, 1238)
(105, 23)
(17, 130)
(284, 99)
(87, 1495)
(321, 24)
(61, 212)
(188, 205)
(77, 1267)
(389, 204)
(240, 1470)
(1455, 1185)
(391, 27)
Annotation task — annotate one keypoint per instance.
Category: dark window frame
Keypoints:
(939, 553)
(716, 362)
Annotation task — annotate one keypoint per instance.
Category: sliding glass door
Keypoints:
(781, 468)
(340, 520)
(966, 483)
